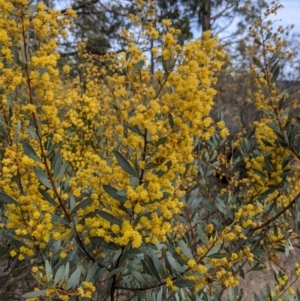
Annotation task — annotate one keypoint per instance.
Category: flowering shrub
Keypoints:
(107, 184)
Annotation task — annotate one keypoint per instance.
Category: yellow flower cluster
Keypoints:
(119, 141)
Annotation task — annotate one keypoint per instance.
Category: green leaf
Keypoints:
(91, 272)
(113, 192)
(41, 71)
(57, 164)
(62, 171)
(47, 196)
(125, 164)
(257, 41)
(135, 129)
(185, 250)
(73, 281)
(32, 9)
(24, 61)
(109, 217)
(115, 272)
(214, 250)
(42, 177)
(274, 56)
(220, 205)
(160, 141)
(138, 66)
(256, 298)
(171, 120)
(266, 142)
(152, 267)
(183, 283)
(145, 268)
(174, 264)
(48, 270)
(33, 133)
(160, 173)
(67, 271)
(217, 255)
(258, 63)
(267, 112)
(34, 294)
(138, 276)
(268, 36)
(7, 199)
(30, 152)
(275, 74)
(166, 65)
(128, 55)
(201, 233)
(59, 220)
(275, 128)
(159, 266)
(81, 204)
(60, 275)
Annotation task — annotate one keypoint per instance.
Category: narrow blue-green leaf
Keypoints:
(220, 205)
(7, 199)
(48, 270)
(33, 133)
(201, 234)
(258, 63)
(171, 120)
(274, 56)
(109, 217)
(34, 294)
(268, 36)
(175, 265)
(30, 152)
(62, 171)
(47, 197)
(257, 41)
(135, 129)
(67, 271)
(184, 248)
(59, 220)
(74, 279)
(32, 9)
(146, 269)
(57, 164)
(91, 272)
(158, 266)
(275, 74)
(274, 127)
(81, 204)
(160, 141)
(138, 66)
(60, 275)
(152, 267)
(125, 164)
(217, 255)
(256, 298)
(113, 192)
(115, 272)
(42, 177)
(138, 276)
(214, 250)
(159, 295)
(183, 283)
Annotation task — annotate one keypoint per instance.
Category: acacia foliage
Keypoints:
(107, 179)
